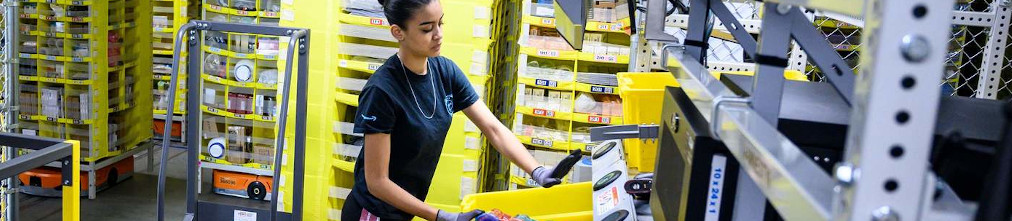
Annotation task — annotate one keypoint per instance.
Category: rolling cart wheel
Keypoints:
(112, 178)
(256, 190)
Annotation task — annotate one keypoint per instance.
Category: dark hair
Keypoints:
(399, 11)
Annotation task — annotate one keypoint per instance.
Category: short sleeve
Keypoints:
(463, 93)
(376, 113)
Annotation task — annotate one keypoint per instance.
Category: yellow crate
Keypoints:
(559, 203)
(642, 96)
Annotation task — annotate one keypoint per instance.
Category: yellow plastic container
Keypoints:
(567, 202)
(642, 96)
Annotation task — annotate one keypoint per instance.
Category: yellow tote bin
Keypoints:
(642, 96)
(567, 202)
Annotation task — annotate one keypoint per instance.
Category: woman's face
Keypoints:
(423, 35)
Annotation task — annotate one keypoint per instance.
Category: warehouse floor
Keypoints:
(132, 199)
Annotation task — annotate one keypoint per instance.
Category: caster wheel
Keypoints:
(112, 178)
(256, 190)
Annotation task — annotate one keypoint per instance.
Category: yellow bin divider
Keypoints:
(566, 202)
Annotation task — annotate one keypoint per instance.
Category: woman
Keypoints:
(405, 111)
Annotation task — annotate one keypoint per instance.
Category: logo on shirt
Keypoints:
(448, 101)
(368, 118)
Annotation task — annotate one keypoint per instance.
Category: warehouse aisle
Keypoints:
(133, 199)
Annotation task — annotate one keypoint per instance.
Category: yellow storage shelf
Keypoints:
(55, 80)
(344, 165)
(367, 67)
(363, 21)
(346, 98)
(597, 119)
(566, 202)
(537, 112)
(257, 166)
(550, 54)
(223, 113)
(163, 112)
(593, 26)
(232, 83)
(62, 2)
(549, 84)
(603, 58)
(546, 143)
(597, 89)
(55, 58)
(55, 120)
(54, 18)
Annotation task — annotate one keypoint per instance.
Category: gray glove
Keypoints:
(451, 216)
(543, 175)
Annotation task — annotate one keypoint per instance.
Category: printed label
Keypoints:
(543, 112)
(548, 53)
(599, 89)
(606, 201)
(376, 21)
(546, 83)
(717, 171)
(542, 142)
(548, 21)
(606, 58)
(599, 119)
(373, 67)
(240, 215)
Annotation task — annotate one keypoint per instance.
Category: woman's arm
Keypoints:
(502, 138)
(379, 183)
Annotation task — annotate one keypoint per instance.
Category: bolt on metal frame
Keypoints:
(298, 41)
(899, 42)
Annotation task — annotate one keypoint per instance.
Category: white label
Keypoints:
(717, 172)
(281, 180)
(607, 200)
(29, 132)
(470, 127)
(481, 12)
(283, 2)
(339, 193)
(343, 63)
(606, 58)
(239, 215)
(471, 143)
(544, 11)
(284, 159)
(287, 15)
(548, 53)
(480, 31)
(470, 166)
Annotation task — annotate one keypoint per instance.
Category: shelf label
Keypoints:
(342, 63)
(548, 53)
(241, 12)
(47, 34)
(241, 55)
(25, 117)
(77, 19)
(376, 21)
(23, 55)
(212, 110)
(543, 112)
(77, 82)
(546, 83)
(238, 115)
(77, 2)
(599, 119)
(599, 89)
(51, 119)
(270, 14)
(266, 118)
(214, 7)
(77, 36)
(602, 27)
(77, 59)
(51, 80)
(548, 21)
(46, 17)
(214, 50)
(373, 67)
(77, 122)
(269, 57)
(542, 142)
(50, 57)
(25, 16)
(606, 58)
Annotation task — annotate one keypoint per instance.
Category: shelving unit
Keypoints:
(240, 76)
(167, 17)
(562, 92)
(83, 74)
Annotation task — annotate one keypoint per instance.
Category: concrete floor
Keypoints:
(132, 199)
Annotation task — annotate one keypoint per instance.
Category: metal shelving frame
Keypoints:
(199, 208)
(901, 37)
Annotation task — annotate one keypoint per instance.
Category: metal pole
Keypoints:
(888, 127)
(10, 99)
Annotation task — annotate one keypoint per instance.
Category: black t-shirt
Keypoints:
(387, 105)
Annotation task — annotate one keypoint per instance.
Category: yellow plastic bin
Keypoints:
(642, 96)
(567, 202)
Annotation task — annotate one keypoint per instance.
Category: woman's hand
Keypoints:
(543, 175)
(451, 216)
